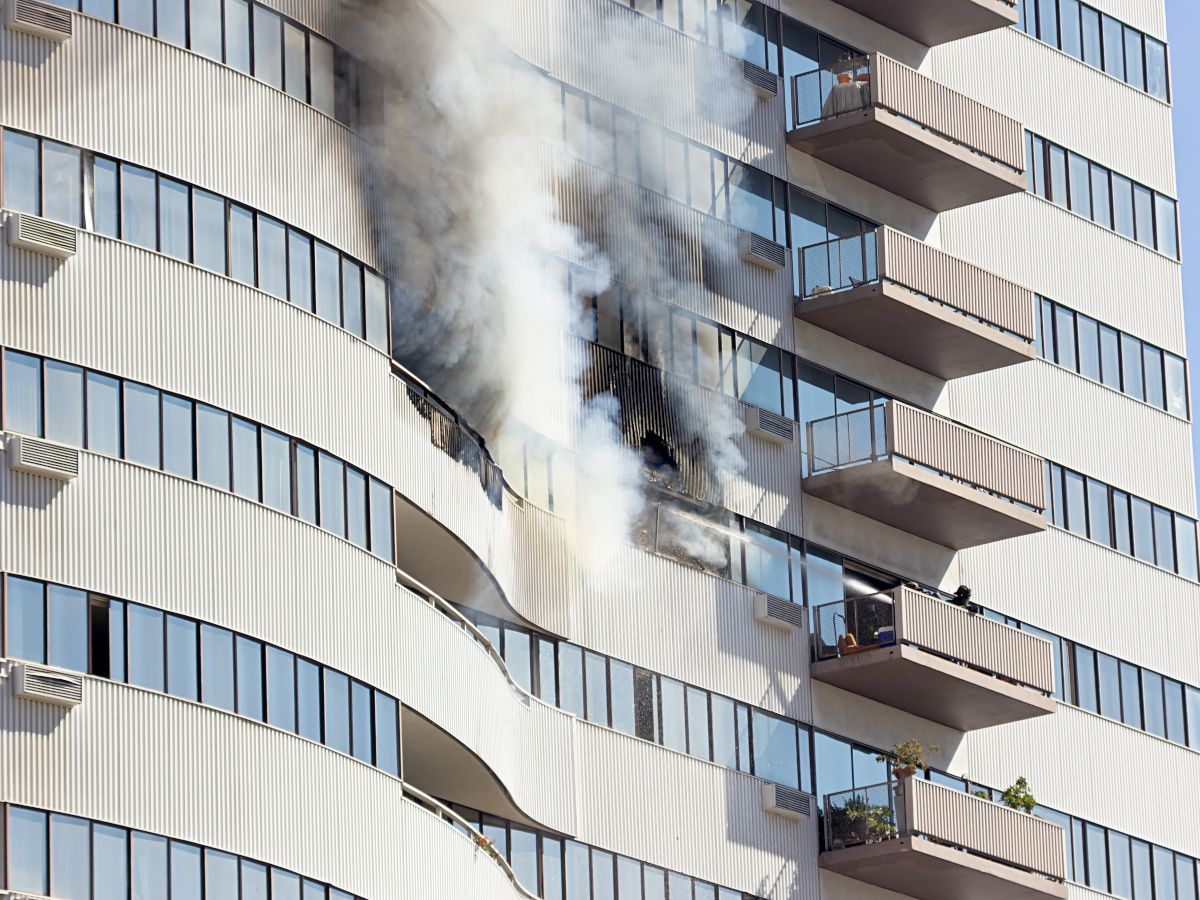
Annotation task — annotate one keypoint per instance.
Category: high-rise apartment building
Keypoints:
(594, 450)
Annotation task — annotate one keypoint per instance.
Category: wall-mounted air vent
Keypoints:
(786, 802)
(39, 19)
(44, 685)
(769, 426)
(761, 251)
(781, 614)
(38, 457)
(765, 84)
(42, 236)
(21, 895)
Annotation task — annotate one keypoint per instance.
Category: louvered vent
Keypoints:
(786, 802)
(38, 457)
(48, 685)
(769, 426)
(21, 895)
(761, 251)
(782, 614)
(42, 236)
(39, 19)
(766, 84)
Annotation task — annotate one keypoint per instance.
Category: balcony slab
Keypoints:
(934, 22)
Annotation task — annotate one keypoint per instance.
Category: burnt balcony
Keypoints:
(890, 125)
(926, 475)
(915, 303)
(933, 22)
(932, 842)
(916, 652)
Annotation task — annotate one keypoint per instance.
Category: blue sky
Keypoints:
(1183, 31)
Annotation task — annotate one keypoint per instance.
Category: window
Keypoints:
(212, 446)
(1081, 188)
(281, 689)
(205, 21)
(308, 700)
(245, 458)
(272, 257)
(1122, 193)
(174, 219)
(183, 663)
(337, 710)
(106, 200)
(333, 494)
(306, 484)
(775, 749)
(268, 48)
(64, 403)
(146, 636)
(321, 73)
(208, 226)
(376, 311)
(1101, 197)
(1114, 49)
(328, 284)
(249, 667)
(276, 470)
(361, 722)
(110, 852)
(1156, 68)
(103, 414)
(1058, 175)
(139, 218)
(216, 667)
(387, 730)
(26, 626)
(300, 273)
(295, 62)
(62, 187)
(241, 244)
(177, 436)
(22, 173)
(1164, 216)
(381, 520)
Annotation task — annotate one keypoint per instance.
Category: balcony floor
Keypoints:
(934, 688)
(921, 502)
(934, 22)
(884, 149)
(919, 868)
(905, 326)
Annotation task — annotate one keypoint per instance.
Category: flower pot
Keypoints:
(844, 78)
(903, 772)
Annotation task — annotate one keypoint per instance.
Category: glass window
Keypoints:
(22, 393)
(1143, 214)
(276, 470)
(1122, 193)
(300, 283)
(1156, 68)
(697, 723)
(148, 854)
(1101, 196)
(216, 667)
(1058, 175)
(103, 414)
(1097, 857)
(1098, 518)
(376, 309)
(1173, 700)
(272, 257)
(1081, 187)
(1185, 876)
(1085, 679)
(1142, 878)
(1048, 22)
(1164, 539)
(751, 204)
(208, 225)
(1036, 151)
(333, 494)
(1076, 503)
(241, 244)
(1135, 73)
(381, 520)
(64, 403)
(174, 219)
(62, 187)
(295, 63)
(146, 657)
(624, 713)
(138, 15)
(775, 750)
(1064, 328)
(110, 854)
(1164, 873)
(67, 617)
(116, 640)
(1131, 695)
(1131, 366)
(321, 73)
(183, 663)
(674, 717)
(360, 721)
(766, 561)
(139, 215)
(268, 49)
(1152, 703)
(249, 678)
(142, 432)
(387, 729)
(337, 710)
(596, 674)
(579, 881)
(281, 689)
(245, 458)
(602, 875)
(220, 875)
(724, 732)
(328, 283)
(1110, 686)
(352, 297)
(552, 868)
(1143, 530)
(1089, 346)
(306, 483)
(22, 173)
(308, 699)
(237, 34)
(1121, 519)
(212, 446)
(284, 885)
(205, 23)
(356, 507)
(1110, 357)
(177, 436)
(254, 875)
(1176, 384)
(1114, 49)
(104, 188)
(29, 857)
(1164, 216)
(1185, 546)
(1072, 37)
(26, 626)
(570, 678)
(1120, 865)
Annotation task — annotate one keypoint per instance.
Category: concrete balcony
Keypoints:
(924, 840)
(890, 125)
(915, 303)
(934, 22)
(926, 475)
(925, 656)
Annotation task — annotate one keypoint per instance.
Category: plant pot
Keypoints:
(903, 772)
(860, 832)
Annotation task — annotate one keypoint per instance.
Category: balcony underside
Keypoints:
(934, 22)
(884, 149)
(924, 503)
(933, 688)
(907, 327)
(919, 868)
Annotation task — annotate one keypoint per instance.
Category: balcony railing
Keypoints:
(914, 808)
(907, 616)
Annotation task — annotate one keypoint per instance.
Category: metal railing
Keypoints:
(906, 615)
(838, 264)
(895, 429)
(853, 85)
(913, 807)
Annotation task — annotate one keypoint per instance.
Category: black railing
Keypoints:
(844, 87)
(838, 264)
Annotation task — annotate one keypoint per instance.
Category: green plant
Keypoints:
(909, 754)
(981, 793)
(1018, 796)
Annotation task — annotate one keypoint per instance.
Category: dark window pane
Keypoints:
(1131, 366)
(295, 63)
(177, 436)
(212, 446)
(381, 520)
(104, 175)
(216, 667)
(64, 403)
(183, 665)
(306, 483)
(300, 284)
(241, 244)
(62, 188)
(360, 721)
(245, 458)
(337, 710)
(328, 284)
(249, 678)
(110, 852)
(376, 307)
(387, 751)
(26, 626)
(272, 257)
(308, 694)
(276, 470)
(146, 662)
(208, 218)
(139, 208)
(22, 173)
(206, 28)
(356, 507)
(237, 34)
(141, 424)
(268, 50)
(1143, 530)
(333, 494)
(281, 689)
(352, 297)
(174, 219)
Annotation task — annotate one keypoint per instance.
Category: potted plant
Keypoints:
(907, 757)
(881, 823)
(487, 846)
(851, 822)
(1018, 796)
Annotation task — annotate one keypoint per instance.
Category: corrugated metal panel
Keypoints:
(84, 94)
(1138, 142)
(1156, 466)
(748, 850)
(189, 774)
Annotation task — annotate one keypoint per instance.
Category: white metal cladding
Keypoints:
(1140, 147)
(964, 820)
(927, 270)
(976, 640)
(748, 850)
(1156, 466)
(956, 116)
(186, 776)
(959, 452)
(1074, 261)
(1067, 780)
(83, 95)
(696, 89)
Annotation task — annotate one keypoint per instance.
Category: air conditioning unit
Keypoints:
(43, 20)
(786, 802)
(761, 251)
(21, 895)
(38, 457)
(781, 614)
(42, 236)
(765, 83)
(43, 685)
(769, 426)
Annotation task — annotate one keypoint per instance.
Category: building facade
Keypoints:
(562, 449)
